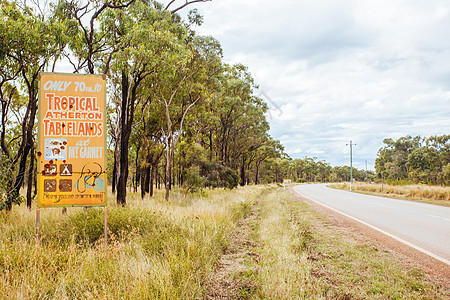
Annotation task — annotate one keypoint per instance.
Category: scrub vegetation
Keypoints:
(423, 193)
(277, 247)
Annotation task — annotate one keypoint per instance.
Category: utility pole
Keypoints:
(366, 170)
(351, 163)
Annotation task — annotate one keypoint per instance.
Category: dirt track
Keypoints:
(225, 283)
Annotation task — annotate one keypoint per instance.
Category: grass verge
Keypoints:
(423, 193)
(302, 256)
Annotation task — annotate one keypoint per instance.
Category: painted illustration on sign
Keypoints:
(66, 170)
(55, 149)
(90, 178)
(72, 160)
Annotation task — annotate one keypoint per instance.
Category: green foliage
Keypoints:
(420, 160)
(29, 42)
(200, 172)
(194, 180)
(217, 175)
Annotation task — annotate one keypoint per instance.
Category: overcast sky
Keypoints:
(335, 71)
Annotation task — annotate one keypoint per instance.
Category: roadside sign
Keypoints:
(71, 142)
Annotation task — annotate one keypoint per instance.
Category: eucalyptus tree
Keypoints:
(439, 152)
(233, 99)
(147, 39)
(323, 171)
(393, 157)
(180, 87)
(30, 41)
(147, 137)
(427, 162)
(231, 124)
(281, 168)
(250, 135)
(88, 46)
(174, 7)
(272, 149)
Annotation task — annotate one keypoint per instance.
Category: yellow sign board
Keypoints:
(72, 137)
(287, 181)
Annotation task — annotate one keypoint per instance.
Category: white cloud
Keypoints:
(342, 70)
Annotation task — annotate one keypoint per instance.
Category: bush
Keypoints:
(218, 175)
(211, 174)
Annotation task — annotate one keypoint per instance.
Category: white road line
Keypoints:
(435, 256)
(438, 217)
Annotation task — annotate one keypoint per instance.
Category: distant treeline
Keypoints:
(310, 169)
(406, 160)
(416, 159)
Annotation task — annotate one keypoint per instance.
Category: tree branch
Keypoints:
(183, 6)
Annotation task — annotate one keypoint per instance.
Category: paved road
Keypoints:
(423, 226)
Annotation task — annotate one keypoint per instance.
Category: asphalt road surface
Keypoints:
(424, 227)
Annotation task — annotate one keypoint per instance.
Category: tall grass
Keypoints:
(156, 249)
(433, 194)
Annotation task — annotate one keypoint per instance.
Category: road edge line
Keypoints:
(435, 256)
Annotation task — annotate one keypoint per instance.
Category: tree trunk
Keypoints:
(122, 179)
(114, 176)
(243, 171)
(152, 176)
(31, 174)
(143, 181)
(158, 179)
(210, 145)
(123, 156)
(116, 158)
(19, 179)
(180, 173)
(257, 173)
(147, 178)
(138, 170)
(28, 144)
(173, 175)
(168, 167)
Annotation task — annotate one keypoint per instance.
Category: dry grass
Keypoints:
(429, 194)
(156, 250)
(284, 237)
(170, 250)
